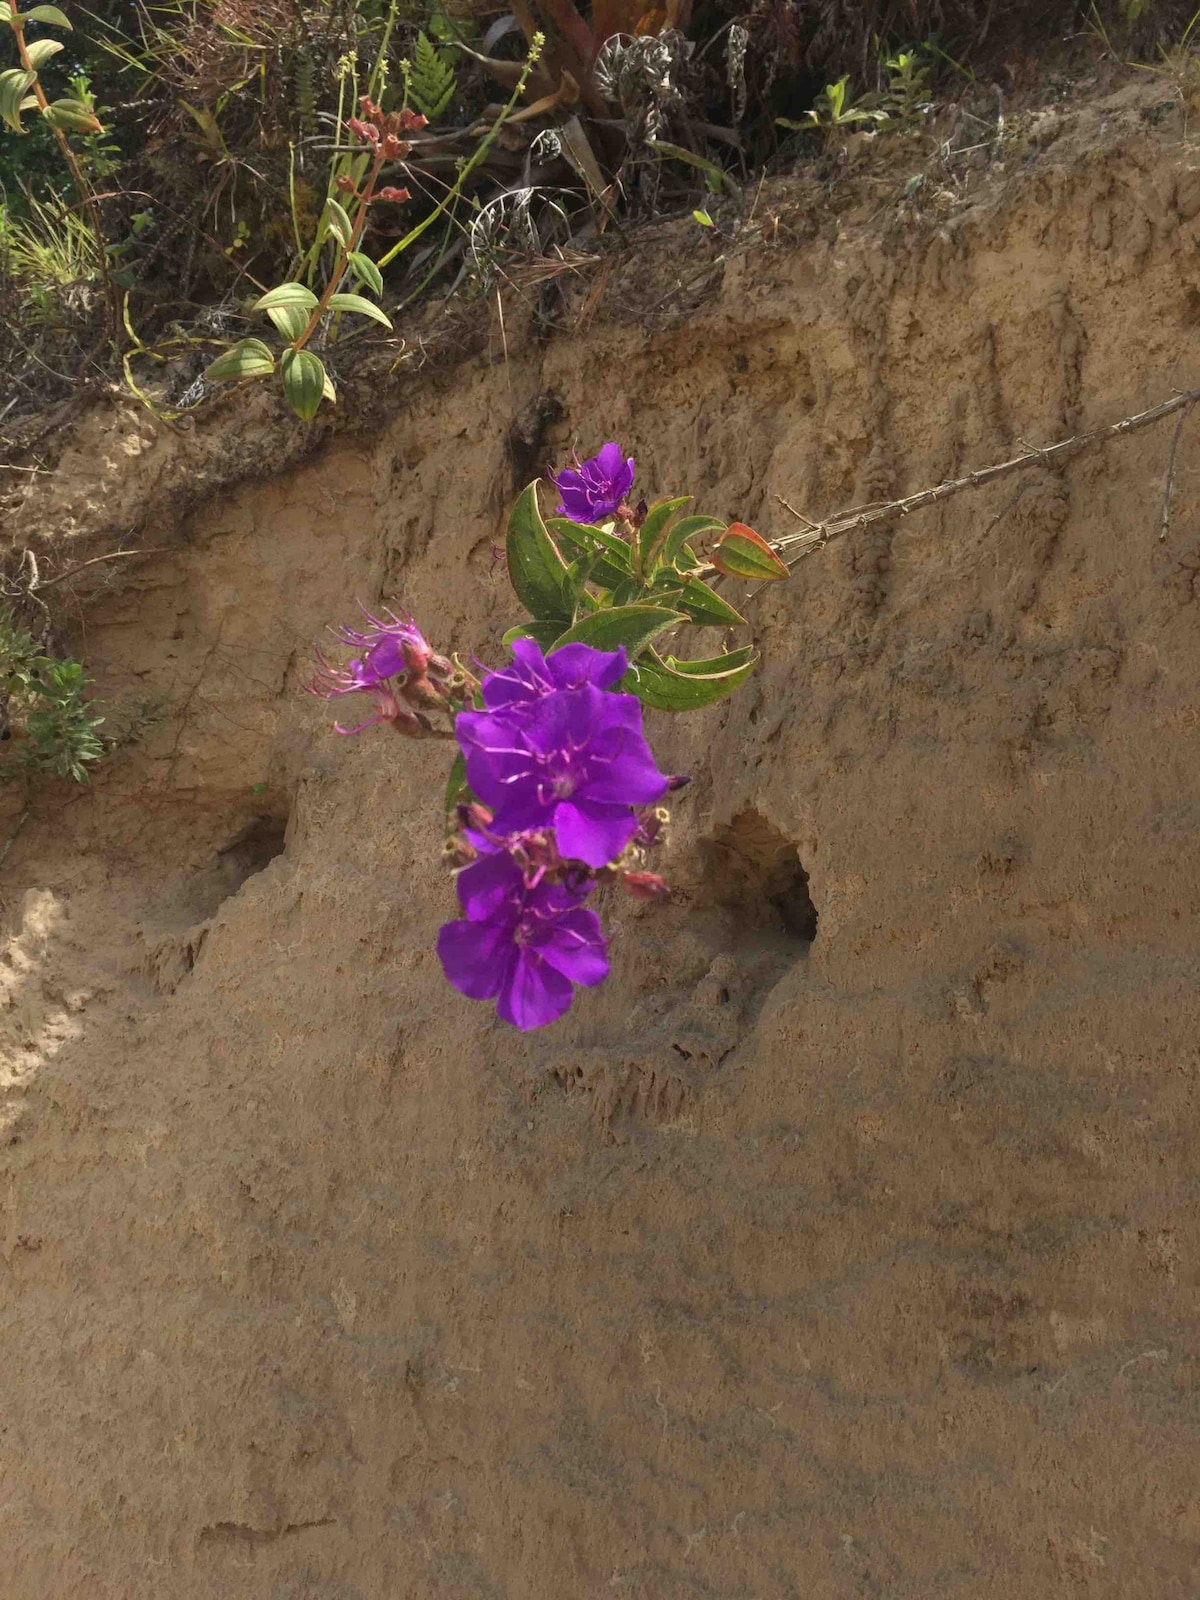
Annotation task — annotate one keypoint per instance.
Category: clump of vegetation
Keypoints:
(47, 723)
(173, 178)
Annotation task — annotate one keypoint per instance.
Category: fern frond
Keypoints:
(431, 81)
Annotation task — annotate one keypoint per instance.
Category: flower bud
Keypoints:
(363, 131)
(346, 184)
(391, 147)
(644, 886)
(678, 780)
(390, 192)
(471, 814)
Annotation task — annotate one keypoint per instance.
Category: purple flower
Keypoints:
(389, 648)
(533, 675)
(522, 947)
(597, 487)
(575, 760)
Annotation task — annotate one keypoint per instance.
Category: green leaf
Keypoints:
(50, 14)
(742, 553)
(72, 115)
(683, 530)
(544, 634)
(40, 51)
(711, 170)
(303, 382)
(355, 302)
(707, 608)
(631, 626)
(287, 294)
(249, 358)
(328, 392)
(290, 320)
(731, 661)
(367, 271)
(653, 530)
(535, 568)
(13, 85)
(703, 218)
(615, 556)
(456, 783)
(338, 222)
(664, 687)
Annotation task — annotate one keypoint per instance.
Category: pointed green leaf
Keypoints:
(72, 115)
(303, 382)
(631, 626)
(290, 320)
(13, 85)
(50, 14)
(742, 553)
(544, 634)
(535, 568)
(328, 392)
(615, 555)
(707, 608)
(287, 294)
(665, 688)
(367, 271)
(338, 222)
(249, 358)
(356, 302)
(683, 530)
(40, 51)
(731, 661)
(653, 530)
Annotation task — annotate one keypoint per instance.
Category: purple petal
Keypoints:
(578, 664)
(577, 504)
(385, 659)
(476, 957)
(591, 833)
(566, 720)
(623, 771)
(491, 890)
(574, 945)
(495, 754)
(526, 679)
(532, 993)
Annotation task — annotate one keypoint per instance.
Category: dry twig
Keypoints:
(815, 535)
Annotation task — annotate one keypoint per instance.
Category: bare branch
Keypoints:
(1169, 482)
(816, 535)
(113, 555)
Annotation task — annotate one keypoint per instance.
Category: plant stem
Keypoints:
(339, 265)
(481, 150)
(82, 186)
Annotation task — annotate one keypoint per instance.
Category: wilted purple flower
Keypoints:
(533, 675)
(523, 947)
(596, 487)
(576, 760)
(391, 646)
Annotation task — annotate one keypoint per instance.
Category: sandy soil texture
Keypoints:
(855, 1266)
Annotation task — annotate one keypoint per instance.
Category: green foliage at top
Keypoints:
(48, 720)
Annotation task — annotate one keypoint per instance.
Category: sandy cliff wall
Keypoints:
(858, 1267)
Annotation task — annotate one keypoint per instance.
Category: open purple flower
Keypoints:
(596, 487)
(532, 675)
(522, 947)
(575, 761)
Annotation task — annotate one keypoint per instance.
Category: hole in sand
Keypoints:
(754, 871)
